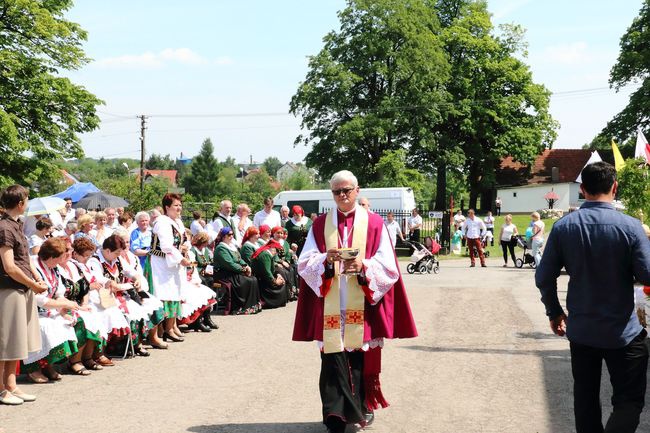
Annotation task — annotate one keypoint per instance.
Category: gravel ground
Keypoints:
(485, 361)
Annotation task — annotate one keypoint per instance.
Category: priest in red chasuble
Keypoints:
(350, 305)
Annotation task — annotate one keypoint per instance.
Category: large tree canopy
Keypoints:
(375, 86)
(632, 66)
(41, 112)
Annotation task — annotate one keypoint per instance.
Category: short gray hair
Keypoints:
(285, 208)
(141, 214)
(223, 203)
(122, 232)
(343, 176)
(243, 206)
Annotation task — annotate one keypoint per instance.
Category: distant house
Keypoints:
(184, 159)
(522, 188)
(150, 174)
(290, 168)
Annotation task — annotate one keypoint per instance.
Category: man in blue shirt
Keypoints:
(603, 251)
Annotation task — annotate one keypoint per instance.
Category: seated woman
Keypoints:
(298, 227)
(101, 230)
(283, 266)
(199, 298)
(231, 271)
(124, 284)
(272, 286)
(153, 306)
(90, 331)
(249, 244)
(265, 234)
(84, 227)
(115, 326)
(43, 231)
(202, 257)
(58, 337)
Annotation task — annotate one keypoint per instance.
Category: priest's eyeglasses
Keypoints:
(345, 191)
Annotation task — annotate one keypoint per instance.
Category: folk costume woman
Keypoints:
(298, 227)
(56, 322)
(166, 270)
(349, 306)
(115, 324)
(198, 300)
(153, 307)
(273, 289)
(232, 272)
(283, 265)
(265, 234)
(203, 258)
(89, 326)
(250, 244)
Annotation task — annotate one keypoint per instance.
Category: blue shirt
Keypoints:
(141, 241)
(603, 251)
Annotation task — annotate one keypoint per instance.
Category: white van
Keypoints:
(321, 200)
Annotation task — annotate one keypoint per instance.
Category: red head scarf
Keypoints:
(270, 244)
(276, 229)
(252, 231)
(297, 210)
(264, 229)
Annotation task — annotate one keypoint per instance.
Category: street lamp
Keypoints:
(241, 175)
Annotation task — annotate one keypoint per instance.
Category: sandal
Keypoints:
(104, 361)
(141, 351)
(37, 379)
(78, 369)
(51, 373)
(90, 364)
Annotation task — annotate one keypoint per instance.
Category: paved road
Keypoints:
(484, 362)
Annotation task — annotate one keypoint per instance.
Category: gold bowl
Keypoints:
(349, 253)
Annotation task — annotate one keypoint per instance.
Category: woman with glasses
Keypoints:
(232, 272)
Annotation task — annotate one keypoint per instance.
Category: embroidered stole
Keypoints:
(353, 332)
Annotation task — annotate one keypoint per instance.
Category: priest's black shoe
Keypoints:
(369, 418)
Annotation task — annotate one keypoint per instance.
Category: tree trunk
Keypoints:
(473, 185)
(441, 187)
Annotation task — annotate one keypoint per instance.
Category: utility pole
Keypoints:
(142, 129)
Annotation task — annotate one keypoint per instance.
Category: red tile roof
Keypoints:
(169, 174)
(568, 161)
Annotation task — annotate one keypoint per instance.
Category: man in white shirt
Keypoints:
(393, 228)
(267, 216)
(489, 225)
(241, 222)
(415, 224)
(474, 230)
(222, 218)
(69, 212)
(111, 218)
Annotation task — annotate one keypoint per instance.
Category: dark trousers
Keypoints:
(498, 211)
(491, 230)
(627, 373)
(341, 389)
(505, 246)
(475, 243)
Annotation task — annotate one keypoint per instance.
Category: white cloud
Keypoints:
(151, 60)
(568, 54)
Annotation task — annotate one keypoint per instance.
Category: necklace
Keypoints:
(50, 275)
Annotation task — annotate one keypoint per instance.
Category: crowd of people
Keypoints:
(78, 287)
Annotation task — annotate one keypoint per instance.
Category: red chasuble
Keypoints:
(390, 318)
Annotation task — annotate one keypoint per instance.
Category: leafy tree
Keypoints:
(230, 162)
(633, 188)
(41, 111)
(272, 165)
(202, 181)
(376, 85)
(495, 108)
(300, 180)
(159, 162)
(228, 183)
(260, 183)
(394, 173)
(632, 66)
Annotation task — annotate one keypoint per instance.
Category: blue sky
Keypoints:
(201, 57)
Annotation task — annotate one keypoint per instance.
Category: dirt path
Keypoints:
(484, 362)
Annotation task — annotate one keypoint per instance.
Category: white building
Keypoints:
(522, 188)
(289, 169)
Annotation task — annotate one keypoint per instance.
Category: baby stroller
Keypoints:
(527, 258)
(423, 260)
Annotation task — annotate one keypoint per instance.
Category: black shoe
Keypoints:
(170, 337)
(207, 321)
(198, 326)
(369, 418)
(140, 351)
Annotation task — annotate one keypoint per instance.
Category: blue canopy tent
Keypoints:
(78, 191)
